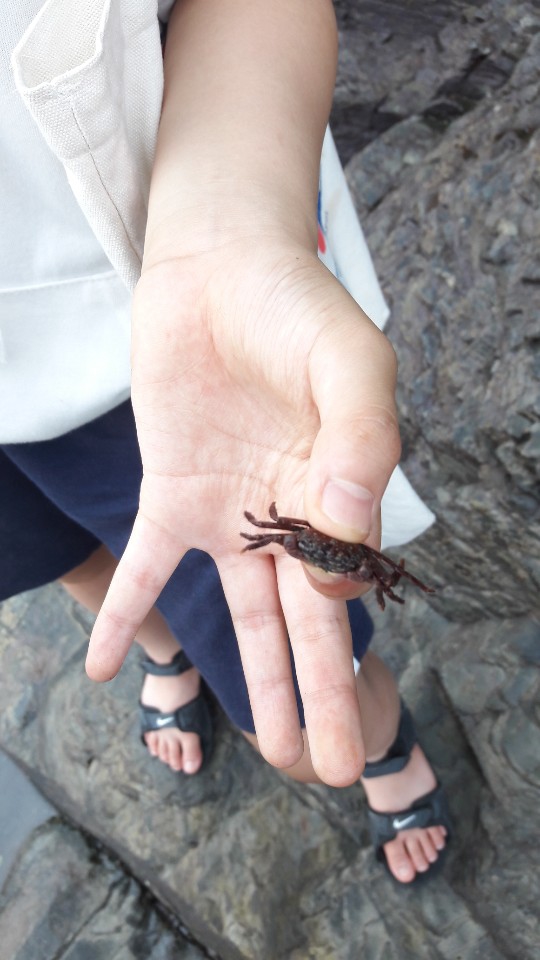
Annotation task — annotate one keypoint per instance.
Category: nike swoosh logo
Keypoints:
(161, 721)
(398, 823)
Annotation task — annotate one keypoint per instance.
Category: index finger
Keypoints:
(151, 556)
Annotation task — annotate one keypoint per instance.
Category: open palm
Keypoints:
(256, 378)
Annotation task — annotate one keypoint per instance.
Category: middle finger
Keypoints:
(321, 640)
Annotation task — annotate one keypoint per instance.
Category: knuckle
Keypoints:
(325, 695)
(378, 428)
(256, 622)
(319, 629)
(141, 577)
(263, 688)
(121, 623)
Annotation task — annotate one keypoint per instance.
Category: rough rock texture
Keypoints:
(435, 60)
(486, 676)
(452, 214)
(436, 112)
(65, 899)
(22, 810)
(251, 864)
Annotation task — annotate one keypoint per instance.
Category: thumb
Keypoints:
(353, 371)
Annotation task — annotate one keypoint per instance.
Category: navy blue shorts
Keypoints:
(61, 499)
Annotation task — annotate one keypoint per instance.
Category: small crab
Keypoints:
(354, 561)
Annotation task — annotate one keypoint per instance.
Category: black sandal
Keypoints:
(192, 717)
(431, 810)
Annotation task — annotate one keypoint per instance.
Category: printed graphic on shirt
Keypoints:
(323, 248)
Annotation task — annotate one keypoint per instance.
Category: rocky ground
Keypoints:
(131, 861)
(437, 115)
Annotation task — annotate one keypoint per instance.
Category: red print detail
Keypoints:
(321, 241)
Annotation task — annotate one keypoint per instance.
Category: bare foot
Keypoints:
(411, 851)
(181, 751)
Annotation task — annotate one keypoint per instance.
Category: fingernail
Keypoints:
(322, 576)
(348, 504)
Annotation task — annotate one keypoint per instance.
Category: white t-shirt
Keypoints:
(80, 98)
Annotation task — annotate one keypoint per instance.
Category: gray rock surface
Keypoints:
(485, 677)
(452, 214)
(435, 60)
(64, 898)
(22, 809)
(436, 112)
(252, 865)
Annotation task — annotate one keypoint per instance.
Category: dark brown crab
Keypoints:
(354, 561)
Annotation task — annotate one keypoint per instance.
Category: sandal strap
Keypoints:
(431, 810)
(186, 718)
(179, 664)
(399, 754)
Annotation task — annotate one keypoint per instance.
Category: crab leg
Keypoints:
(293, 526)
(400, 568)
(259, 540)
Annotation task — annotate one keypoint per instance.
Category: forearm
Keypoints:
(248, 90)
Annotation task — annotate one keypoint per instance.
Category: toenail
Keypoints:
(190, 766)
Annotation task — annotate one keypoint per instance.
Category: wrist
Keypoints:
(248, 90)
(230, 214)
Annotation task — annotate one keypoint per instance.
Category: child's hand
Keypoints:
(257, 378)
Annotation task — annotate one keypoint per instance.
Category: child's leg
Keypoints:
(411, 850)
(88, 584)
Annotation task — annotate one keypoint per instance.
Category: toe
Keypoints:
(191, 753)
(175, 753)
(398, 860)
(438, 837)
(415, 850)
(151, 741)
(428, 847)
(412, 852)
(180, 751)
(163, 750)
